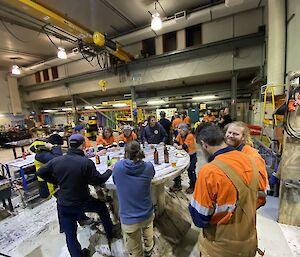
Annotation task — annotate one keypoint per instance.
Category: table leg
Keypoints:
(23, 179)
(159, 191)
(15, 153)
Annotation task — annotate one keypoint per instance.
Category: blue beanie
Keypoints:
(78, 128)
(76, 140)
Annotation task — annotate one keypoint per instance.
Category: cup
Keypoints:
(152, 146)
(173, 163)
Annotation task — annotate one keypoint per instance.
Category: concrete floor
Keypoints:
(34, 233)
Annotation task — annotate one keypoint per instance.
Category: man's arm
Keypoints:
(94, 177)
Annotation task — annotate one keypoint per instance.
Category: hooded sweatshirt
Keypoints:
(133, 182)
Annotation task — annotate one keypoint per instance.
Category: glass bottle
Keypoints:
(166, 155)
(155, 155)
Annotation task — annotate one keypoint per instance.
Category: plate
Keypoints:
(180, 154)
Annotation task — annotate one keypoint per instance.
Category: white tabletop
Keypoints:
(163, 171)
(20, 162)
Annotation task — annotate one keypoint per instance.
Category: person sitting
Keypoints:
(73, 173)
(132, 177)
(106, 141)
(127, 136)
(185, 140)
(80, 129)
(154, 133)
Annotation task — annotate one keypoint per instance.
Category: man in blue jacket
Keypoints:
(73, 173)
(154, 132)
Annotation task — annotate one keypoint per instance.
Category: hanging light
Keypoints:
(15, 70)
(156, 23)
(61, 53)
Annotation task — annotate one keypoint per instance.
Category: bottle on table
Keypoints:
(108, 162)
(166, 154)
(97, 157)
(155, 155)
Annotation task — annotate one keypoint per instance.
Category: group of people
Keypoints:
(226, 193)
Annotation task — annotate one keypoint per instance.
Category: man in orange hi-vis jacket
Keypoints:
(127, 136)
(224, 199)
(238, 135)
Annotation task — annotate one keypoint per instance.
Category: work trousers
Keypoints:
(191, 172)
(133, 234)
(69, 215)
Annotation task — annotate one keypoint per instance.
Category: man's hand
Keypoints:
(49, 146)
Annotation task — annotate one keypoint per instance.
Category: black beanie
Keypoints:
(55, 139)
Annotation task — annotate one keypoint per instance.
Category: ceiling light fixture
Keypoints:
(118, 105)
(155, 102)
(66, 109)
(203, 97)
(61, 53)
(15, 70)
(50, 111)
(156, 23)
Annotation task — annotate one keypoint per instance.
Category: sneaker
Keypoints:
(149, 253)
(175, 188)
(189, 190)
(86, 252)
(85, 222)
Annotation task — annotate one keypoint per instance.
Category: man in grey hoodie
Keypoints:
(132, 177)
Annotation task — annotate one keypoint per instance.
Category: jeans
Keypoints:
(191, 172)
(69, 215)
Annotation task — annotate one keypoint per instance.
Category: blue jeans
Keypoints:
(191, 172)
(69, 215)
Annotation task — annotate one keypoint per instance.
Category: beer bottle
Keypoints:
(156, 161)
(97, 159)
(108, 162)
(166, 155)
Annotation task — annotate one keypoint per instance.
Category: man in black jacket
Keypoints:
(166, 124)
(154, 133)
(73, 173)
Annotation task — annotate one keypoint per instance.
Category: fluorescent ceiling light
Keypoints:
(89, 107)
(155, 102)
(66, 109)
(156, 23)
(50, 111)
(61, 53)
(15, 70)
(119, 105)
(203, 97)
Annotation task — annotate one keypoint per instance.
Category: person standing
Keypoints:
(185, 117)
(237, 135)
(175, 123)
(73, 173)
(225, 119)
(154, 133)
(132, 177)
(186, 141)
(224, 199)
(165, 123)
(209, 117)
(45, 152)
(80, 129)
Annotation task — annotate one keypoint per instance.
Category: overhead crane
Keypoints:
(86, 36)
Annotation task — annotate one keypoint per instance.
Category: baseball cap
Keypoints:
(78, 127)
(76, 140)
(127, 127)
(183, 126)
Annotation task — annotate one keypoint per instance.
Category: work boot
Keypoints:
(86, 252)
(85, 221)
(190, 190)
(175, 188)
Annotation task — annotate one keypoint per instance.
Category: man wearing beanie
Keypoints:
(73, 173)
(80, 129)
(44, 153)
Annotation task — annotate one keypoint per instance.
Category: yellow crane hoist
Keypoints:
(45, 14)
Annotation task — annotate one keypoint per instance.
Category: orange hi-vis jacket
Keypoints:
(215, 198)
(88, 143)
(123, 139)
(209, 118)
(188, 143)
(176, 122)
(187, 119)
(106, 143)
(261, 165)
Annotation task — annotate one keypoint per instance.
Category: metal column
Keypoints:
(233, 108)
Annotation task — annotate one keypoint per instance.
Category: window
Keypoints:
(54, 72)
(148, 47)
(46, 75)
(170, 41)
(38, 77)
(193, 35)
